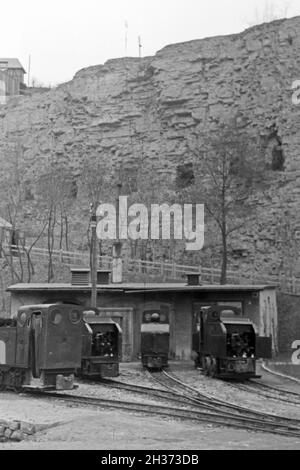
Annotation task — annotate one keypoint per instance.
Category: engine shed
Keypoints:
(126, 303)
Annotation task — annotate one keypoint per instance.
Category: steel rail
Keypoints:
(266, 393)
(173, 395)
(143, 390)
(145, 408)
(257, 416)
(279, 390)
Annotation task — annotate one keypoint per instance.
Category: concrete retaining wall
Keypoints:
(288, 321)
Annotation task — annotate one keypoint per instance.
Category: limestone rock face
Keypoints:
(146, 112)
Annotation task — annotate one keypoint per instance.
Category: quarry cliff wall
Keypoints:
(144, 113)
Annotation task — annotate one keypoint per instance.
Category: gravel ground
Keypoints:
(79, 427)
(121, 430)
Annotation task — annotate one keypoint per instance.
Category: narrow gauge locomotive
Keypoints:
(226, 345)
(101, 346)
(40, 347)
(155, 334)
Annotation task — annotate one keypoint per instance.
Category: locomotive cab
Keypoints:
(43, 349)
(240, 348)
(48, 338)
(101, 346)
(155, 334)
(226, 344)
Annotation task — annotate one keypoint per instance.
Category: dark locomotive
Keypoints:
(155, 334)
(101, 346)
(40, 347)
(226, 345)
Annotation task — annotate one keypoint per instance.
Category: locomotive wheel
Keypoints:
(203, 364)
(207, 365)
(18, 380)
(213, 367)
(2, 375)
(12, 379)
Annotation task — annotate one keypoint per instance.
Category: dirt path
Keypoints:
(121, 430)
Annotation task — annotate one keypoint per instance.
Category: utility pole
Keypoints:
(119, 186)
(93, 225)
(140, 46)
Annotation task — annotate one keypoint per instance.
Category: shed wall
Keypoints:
(127, 309)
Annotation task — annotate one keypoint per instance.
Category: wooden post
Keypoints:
(174, 270)
(162, 270)
(200, 274)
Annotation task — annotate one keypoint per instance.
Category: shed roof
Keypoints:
(137, 287)
(52, 304)
(11, 63)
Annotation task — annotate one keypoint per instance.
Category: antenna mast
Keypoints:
(29, 63)
(126, 37)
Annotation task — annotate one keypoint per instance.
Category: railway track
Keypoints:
(227, 410)
(174, 394)
(269, 392)
(192, 414)
(275, 389)
(204, 397)
(166, 395)
(171, 393)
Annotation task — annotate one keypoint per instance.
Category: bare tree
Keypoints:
(27, 251)
(12, 206)
(270, 11)
(54, 188)
(16, 255)
(225, 172)
(97, 181)
(35, 83)
(143, 184)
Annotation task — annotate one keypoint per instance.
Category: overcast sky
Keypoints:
(63, 36)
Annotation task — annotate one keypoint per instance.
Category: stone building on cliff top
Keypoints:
(11, 79)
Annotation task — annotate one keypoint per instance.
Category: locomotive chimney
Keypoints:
(193, 279)
(117, 263)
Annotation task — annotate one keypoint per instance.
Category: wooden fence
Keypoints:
(158, 269)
